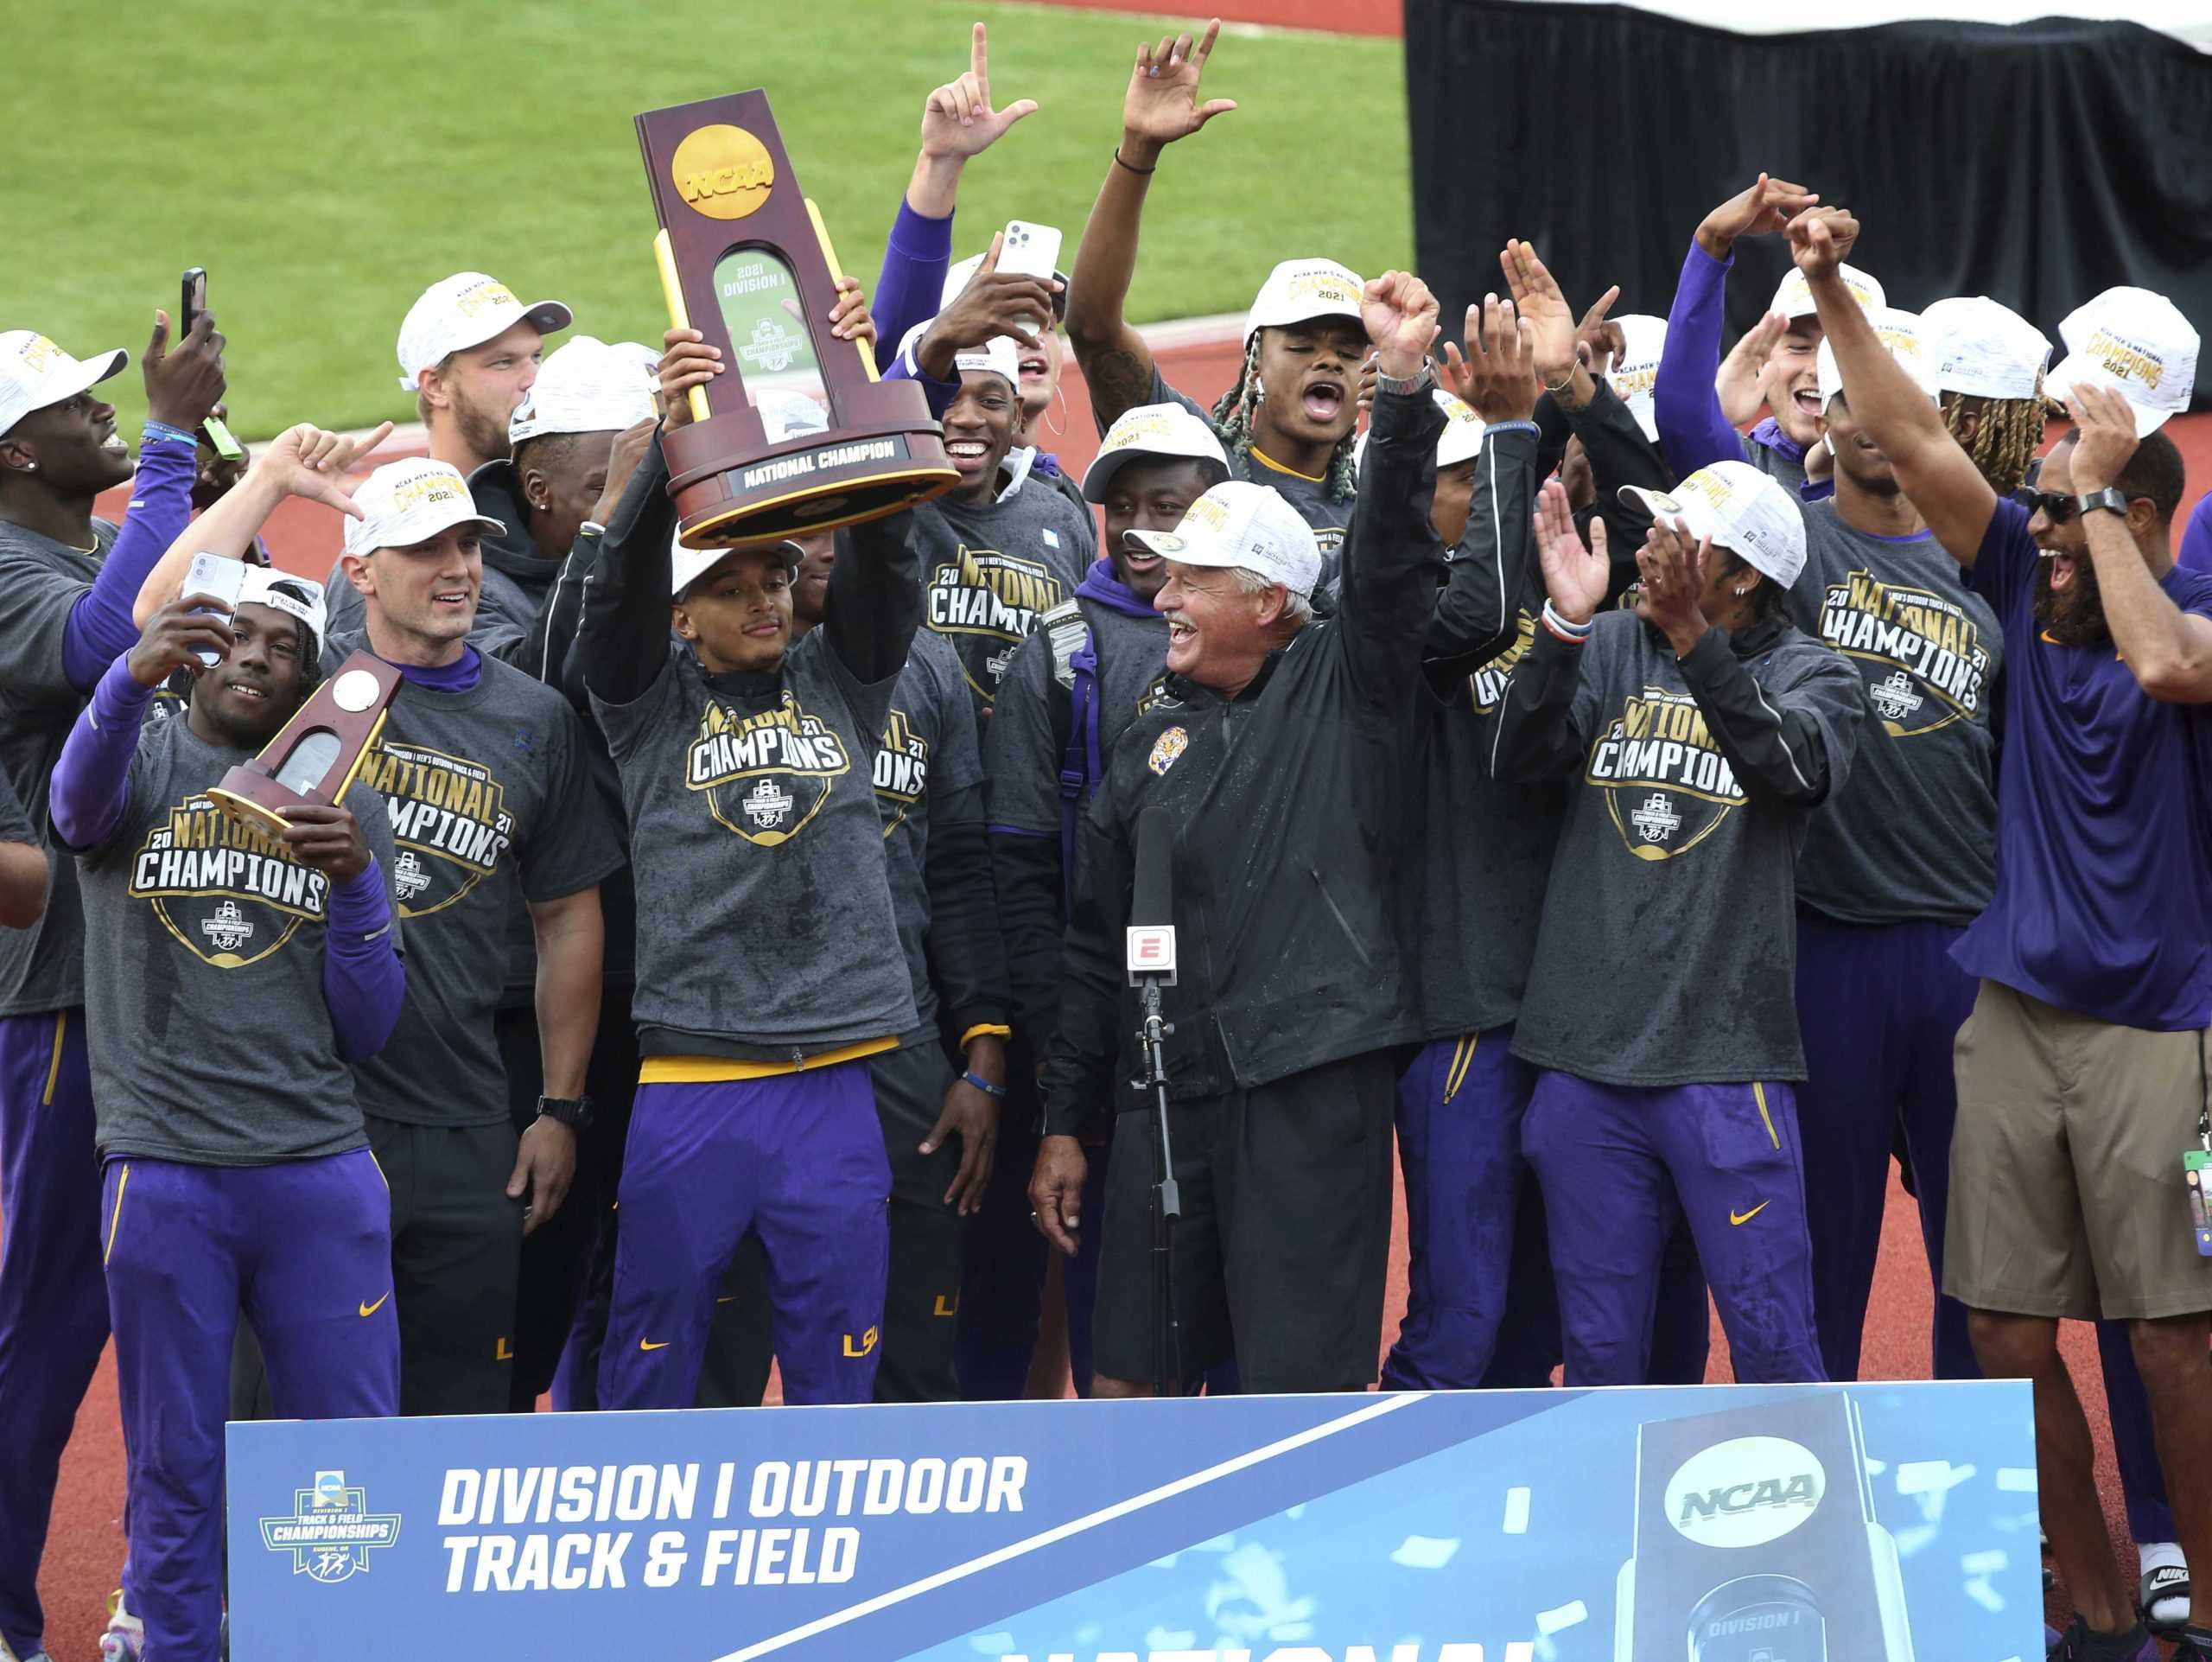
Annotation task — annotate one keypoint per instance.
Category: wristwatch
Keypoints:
(1412, 384)
(2111, 497)
(575, 1112)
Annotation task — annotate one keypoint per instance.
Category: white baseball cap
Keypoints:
(998, 356)
(788, 415)
(464, 310)
(1741, 509)
(404, 503)
(1298, 290)
(1977, 347)
(1793, 299)
(1240, 524)
(586, 386)
(687, 565)
(1636, 371)
(267, 586)
(1150, 431)
(2136, 342)
(35, 373)
(1898, 331)
(1462, 438)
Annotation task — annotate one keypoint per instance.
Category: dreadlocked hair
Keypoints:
(1232, 419)
(2010, 432)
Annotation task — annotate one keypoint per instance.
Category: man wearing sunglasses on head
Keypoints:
(2082, 1072)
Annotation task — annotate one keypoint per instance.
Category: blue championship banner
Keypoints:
(1874, 1523)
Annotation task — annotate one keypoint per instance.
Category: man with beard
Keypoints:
(1694, 430)
(469, 352)
(1071, 689)
(1288, 421)
(66, 584)
(2081, 1071)
(237, 1178)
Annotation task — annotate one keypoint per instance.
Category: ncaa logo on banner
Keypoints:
(1746, 1491)
(331, 1531)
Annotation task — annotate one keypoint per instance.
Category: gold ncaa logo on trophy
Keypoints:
(723, 171)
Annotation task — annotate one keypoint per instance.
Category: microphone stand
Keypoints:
(1166, 1198)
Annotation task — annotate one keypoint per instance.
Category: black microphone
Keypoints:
(1151, 934)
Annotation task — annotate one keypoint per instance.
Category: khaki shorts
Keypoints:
(2067, 1197)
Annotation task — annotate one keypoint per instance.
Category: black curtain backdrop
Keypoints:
(2037, 164)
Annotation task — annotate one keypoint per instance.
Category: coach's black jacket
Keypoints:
(1295, 809)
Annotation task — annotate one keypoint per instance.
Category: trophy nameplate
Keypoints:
(316, 756)
(746, 261)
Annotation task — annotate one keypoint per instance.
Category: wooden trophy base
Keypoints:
(229, 798)
(894, 459)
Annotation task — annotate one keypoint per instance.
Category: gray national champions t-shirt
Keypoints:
(209, 1038)
(990, 571)
(41, 968)
(765, 917)
(492, 805)
(1668, 951)
(1022, 750)
(928, 754)
(1912, 836)
(14, 824)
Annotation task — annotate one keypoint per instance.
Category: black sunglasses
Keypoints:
(2058, 507)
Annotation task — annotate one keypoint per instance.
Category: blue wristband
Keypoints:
(155, 431)
(1528, 427)
(983, 1084)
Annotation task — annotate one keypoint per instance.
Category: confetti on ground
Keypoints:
(1424, 1552)
(1516, 1511)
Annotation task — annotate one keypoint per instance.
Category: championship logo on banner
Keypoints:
(1879, 1523)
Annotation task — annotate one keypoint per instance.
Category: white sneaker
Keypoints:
(125, 1637)
(8, 1655)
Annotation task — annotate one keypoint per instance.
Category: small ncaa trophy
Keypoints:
(745, 260)
(315, 756)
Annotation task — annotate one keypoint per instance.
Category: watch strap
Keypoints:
(2111, 498)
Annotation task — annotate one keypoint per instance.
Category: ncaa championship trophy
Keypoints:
(745, 260)
(315, 756)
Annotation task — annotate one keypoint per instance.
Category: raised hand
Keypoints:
(630, 447)
(957, 119)
(183, 382)
(686, 361)
(1399, 314)
(1737, 383)
(994, 302)
(849, 319)
(1760, 210)
(173, 639)
(1162, 103)
(213, 473)
(1574, 577)
(1555, 337)
(308, 461)
(2104, 436)
(1496, 378)
(1820, 238)
(1672, 563)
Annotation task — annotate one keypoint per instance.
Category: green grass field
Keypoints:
(326, 162)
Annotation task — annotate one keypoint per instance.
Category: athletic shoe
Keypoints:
(7, 1655)
(2195, 1646)
(125, 1637)
(2075, 1645)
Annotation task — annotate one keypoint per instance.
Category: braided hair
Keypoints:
(1232, 419)
(2006, 439)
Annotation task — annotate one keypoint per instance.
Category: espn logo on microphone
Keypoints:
(1152, 950)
